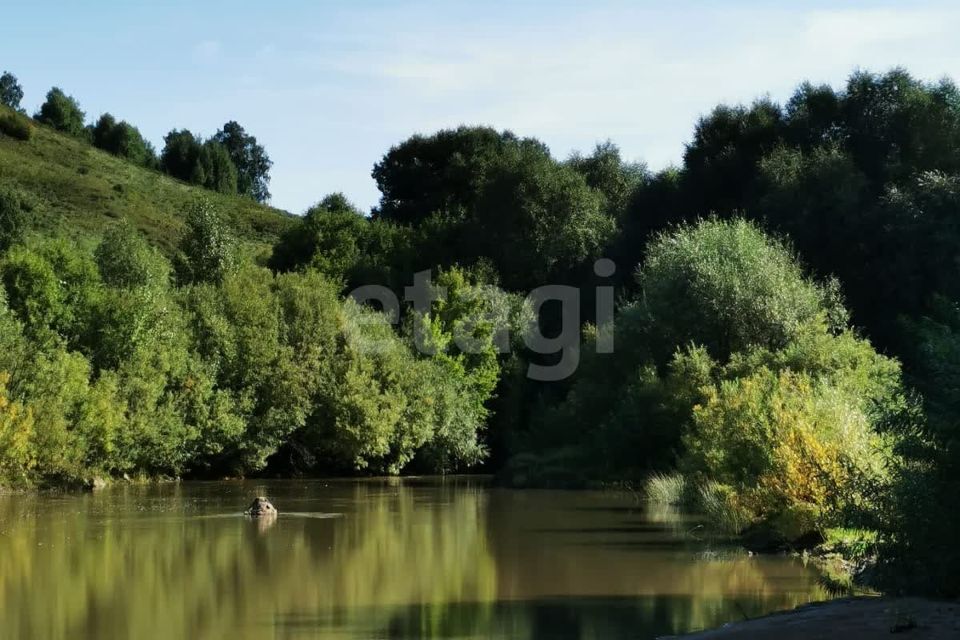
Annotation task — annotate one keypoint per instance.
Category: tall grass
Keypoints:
(719, 504)
(666, 489)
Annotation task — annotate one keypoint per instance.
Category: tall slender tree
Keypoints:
(250, 158)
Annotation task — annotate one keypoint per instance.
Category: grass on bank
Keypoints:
(668, 489)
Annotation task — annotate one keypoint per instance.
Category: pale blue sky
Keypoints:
(328, 87)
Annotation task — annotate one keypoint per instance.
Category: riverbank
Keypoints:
(866, 618)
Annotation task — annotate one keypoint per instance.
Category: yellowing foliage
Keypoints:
(16, 430)
(787, 449)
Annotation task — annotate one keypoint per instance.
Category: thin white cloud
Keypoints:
(207, 51)
(639, 77)
(866, 27)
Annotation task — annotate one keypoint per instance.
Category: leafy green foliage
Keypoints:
(126, 261)
(124, 140)
(80, 191)
(215, 170)
(11, 93)
(13, 217)
(737, 369)
(250, 159)
(332, 239)
(481, 195)
(62, 112)
(730, 364)
(728, 287)
(336, 239)
(181, 154)
(535, 219)
(108, 368)
(919, 514)
(786, 444)
(439, 174)
(207, 249)
(207, 164)
(606, 172)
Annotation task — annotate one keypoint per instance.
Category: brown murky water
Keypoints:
(415, 558)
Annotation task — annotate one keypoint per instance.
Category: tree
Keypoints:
(207, 164)
(126, 261)
(207, 249)
(721, 160)
(102, 131)
(181, 154)
(11, 93)
(62, 112)
(216, 168)
(122, 139)
(251, 160)
(52, 286)
(130, 144)
(896, 125)
(331, 237)
(606, 172)
(534, 218)
(728, 287)
(439, 174)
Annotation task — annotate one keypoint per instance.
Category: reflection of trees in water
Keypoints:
(71, 570)
(404, 562)
(631, 571)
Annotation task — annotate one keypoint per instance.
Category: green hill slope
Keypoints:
(80, 190)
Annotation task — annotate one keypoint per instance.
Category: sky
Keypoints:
(329, 86)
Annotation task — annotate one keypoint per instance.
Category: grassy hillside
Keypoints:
(80, 190)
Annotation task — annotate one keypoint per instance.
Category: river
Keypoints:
(382, 558)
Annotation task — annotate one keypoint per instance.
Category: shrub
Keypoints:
(15, 125)
(126, 261)
(207, 249)
(728, 287)
(16, 431)
(13, 217)
(791, 449)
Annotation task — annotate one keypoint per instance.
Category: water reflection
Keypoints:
(400, 559)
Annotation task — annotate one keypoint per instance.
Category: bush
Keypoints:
(15, 125)
(13, 217)
(728, 287)
(16, 433)
(207, 249)
(792, 452)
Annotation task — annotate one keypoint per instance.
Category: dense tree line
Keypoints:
(786, 330)
(116, 360)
